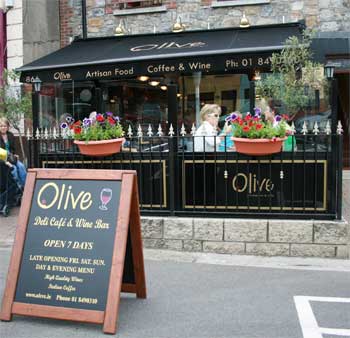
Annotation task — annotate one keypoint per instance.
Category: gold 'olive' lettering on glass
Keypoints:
(241, 182)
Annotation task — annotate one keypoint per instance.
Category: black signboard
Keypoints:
(69, 244)
(78, 245)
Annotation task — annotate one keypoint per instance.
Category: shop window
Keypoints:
(224, 90)
(131, 4)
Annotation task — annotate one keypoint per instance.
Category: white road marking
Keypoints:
(308, 322)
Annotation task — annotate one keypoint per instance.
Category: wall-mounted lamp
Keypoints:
(153, 83)
(120, 30)
(329, 70)
(143, 78)
(244, 23)
(178, 26)
(256, 76)
(37, 84)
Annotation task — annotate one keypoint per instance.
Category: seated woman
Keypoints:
(209, 141)
(7, 141)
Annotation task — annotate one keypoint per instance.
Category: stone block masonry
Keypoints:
(304, 238)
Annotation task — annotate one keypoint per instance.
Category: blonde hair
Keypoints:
(5, 121)
(209, 109)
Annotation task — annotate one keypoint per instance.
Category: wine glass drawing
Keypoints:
(105, 197)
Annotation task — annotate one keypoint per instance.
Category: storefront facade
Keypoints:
(157, 83)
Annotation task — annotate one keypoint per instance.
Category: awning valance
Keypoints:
(217, 50)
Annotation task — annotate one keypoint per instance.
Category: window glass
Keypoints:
(130, 4)
(228, 91)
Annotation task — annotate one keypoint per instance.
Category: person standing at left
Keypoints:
(7, 141)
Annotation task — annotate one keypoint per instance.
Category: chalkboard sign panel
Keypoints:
(74, 230)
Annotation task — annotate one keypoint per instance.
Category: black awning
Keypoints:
(324, 47)
(117, 57)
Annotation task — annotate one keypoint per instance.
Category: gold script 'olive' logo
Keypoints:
(60, 197)
(167, 45)
(61, 76)
(242, 182)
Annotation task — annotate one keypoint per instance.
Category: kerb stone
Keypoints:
(312, 250)
(224, 247)
(267, 249)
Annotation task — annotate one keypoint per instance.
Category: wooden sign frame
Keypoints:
(128, 221)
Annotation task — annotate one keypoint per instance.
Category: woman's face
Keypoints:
(213, 119)
(3, 128)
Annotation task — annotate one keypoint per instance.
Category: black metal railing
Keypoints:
(174, 179)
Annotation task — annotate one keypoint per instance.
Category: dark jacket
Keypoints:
(11, 139)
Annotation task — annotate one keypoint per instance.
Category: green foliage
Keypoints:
(293, 75)
(98, 132)
(97, 128)
(15, 104)
(256, 127)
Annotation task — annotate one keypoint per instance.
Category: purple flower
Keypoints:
(232, 117)
(257, 112)
(116, 119)
(278, 118)
(109, 113)
(86, 122)
(63, 125)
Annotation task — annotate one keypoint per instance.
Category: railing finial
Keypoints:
(171, 130)
(304, 129)
(28, 134)
(328, 129)
(183, 130)
(292, 128)
(339, 128)
(129, 133)
(316, 130)
(37, 134)
(160, 131)
(193, 129)
(149, 131)
(139, 131)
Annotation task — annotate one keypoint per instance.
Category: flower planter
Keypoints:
(258, 147)
(100, 148)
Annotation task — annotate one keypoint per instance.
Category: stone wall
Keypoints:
(41, 30)
(248, 236)
(103, 15)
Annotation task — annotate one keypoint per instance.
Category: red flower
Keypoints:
(111, 120)
(247, 118)
(258, 126)
(77, 130)
(246, 129)
(100, 118)
(251, 123)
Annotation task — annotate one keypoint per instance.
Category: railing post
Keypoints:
(339, 173)
(35, 112)
(251, 96)
(172, 119)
